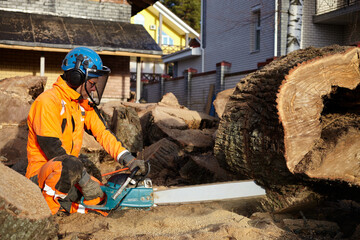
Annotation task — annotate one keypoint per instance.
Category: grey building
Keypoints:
(248, 34)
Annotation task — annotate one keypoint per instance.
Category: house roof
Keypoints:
(172, 20)
(182, 55)
(139, 5)
(55, 33)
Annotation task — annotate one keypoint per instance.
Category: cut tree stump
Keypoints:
(296, 122)
(24, 213)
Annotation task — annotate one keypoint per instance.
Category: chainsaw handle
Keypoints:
(132, 174)
(143, 176)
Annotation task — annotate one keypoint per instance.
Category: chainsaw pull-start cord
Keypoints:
(119, 170)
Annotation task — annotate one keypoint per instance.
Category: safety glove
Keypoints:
(131, 162)
(89, 188)
(137, 163)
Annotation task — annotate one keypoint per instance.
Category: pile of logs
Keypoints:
(177, 141)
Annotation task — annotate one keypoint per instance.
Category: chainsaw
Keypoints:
(126, 191)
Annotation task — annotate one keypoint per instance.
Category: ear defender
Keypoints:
(75, 77)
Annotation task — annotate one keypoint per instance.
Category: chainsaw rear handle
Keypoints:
(133, 173)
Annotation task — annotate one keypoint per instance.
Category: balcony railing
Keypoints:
(325, 6)
(146, 77)
(168, 49)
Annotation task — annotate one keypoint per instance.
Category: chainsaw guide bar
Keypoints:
(208, 192)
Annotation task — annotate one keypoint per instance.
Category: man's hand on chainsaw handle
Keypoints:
(137, 163)
(89, 188)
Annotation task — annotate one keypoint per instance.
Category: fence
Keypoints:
(195, 90)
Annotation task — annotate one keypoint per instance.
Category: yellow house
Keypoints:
(169, 32)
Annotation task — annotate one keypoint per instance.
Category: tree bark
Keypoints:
(295, 121)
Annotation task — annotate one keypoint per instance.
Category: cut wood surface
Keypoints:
(300, 106)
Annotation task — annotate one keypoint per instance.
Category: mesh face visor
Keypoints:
(101, 80)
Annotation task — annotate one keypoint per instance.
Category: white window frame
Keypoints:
(166, 39)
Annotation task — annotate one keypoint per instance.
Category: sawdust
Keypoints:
(192, 221)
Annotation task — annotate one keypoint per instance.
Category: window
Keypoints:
(166, 39)
(257, 28)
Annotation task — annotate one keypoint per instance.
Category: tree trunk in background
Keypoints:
(293, 126)
(294, 25)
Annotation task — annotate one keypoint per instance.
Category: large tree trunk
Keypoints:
(296, 123)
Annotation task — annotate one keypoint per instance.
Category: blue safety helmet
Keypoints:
(82, 64)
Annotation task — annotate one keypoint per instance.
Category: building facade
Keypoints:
(246, 35)
(36, 35)
(169, 32)
(249, 33)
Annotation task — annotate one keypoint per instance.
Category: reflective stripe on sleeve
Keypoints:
(49, 191)
(120, 154)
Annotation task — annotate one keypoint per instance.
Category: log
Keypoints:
(165, 159)
(17, 95)
(13, 140)
(169, 99)
(161, 120)
(204, 168)
(127, 128)
(295, 122)
(220, 101)
(162, 155)
(191, 140)
(24, 213)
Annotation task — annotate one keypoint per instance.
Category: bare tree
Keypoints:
(294, 25)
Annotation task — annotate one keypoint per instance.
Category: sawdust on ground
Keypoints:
(190, 221)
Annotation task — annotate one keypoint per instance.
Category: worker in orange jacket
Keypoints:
(57, 121)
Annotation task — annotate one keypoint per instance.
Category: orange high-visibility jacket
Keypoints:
(57, 120)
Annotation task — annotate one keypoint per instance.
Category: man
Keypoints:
(57, 121)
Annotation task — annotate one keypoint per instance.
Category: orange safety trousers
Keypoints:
(48, 178)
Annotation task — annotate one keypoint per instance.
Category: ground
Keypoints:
(236, 219)
(220, 220)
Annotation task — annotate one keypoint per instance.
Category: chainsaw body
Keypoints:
(123, 191)
(137, 194)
